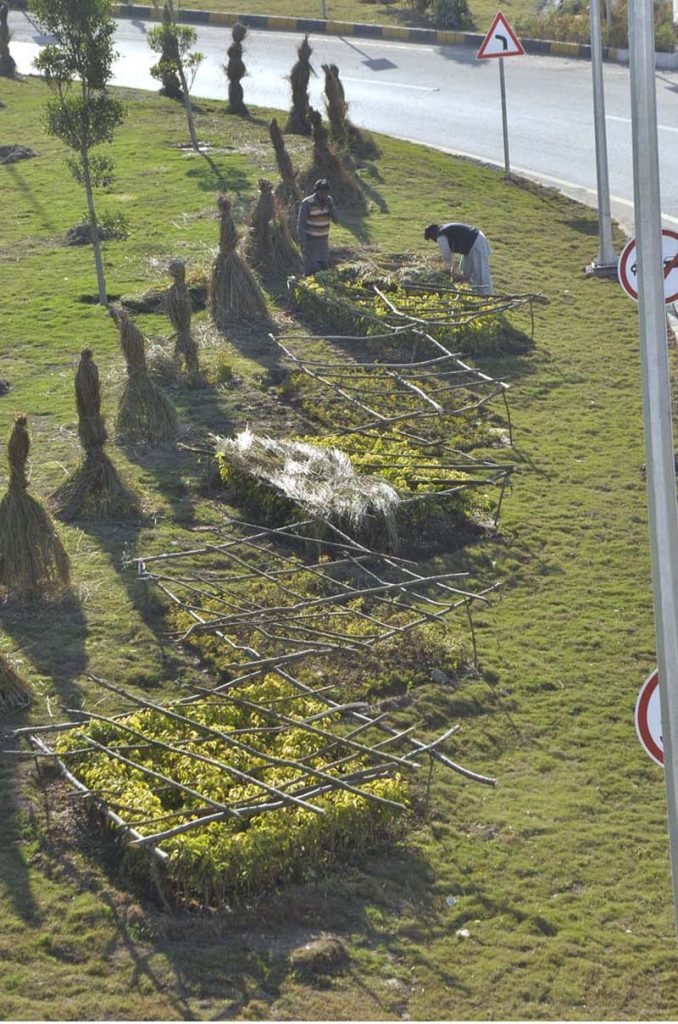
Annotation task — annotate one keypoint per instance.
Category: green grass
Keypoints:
(561, 873)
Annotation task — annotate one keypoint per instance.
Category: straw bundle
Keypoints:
(145, 414)
(7, 62)
(287, 191)
(180, 311)
(322, 481)
(95, 488)
(32, 558)
(327, 163)
(235, 70)
(342, 130)
(15, 693)
(298, 122)
(259, 246)
(235, 296)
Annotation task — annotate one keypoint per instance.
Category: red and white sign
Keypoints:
(627, 268)
(500, 41)
(649, 718)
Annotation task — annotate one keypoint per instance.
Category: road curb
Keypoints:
(440, 37)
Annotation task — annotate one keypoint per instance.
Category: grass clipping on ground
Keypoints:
(321, 481)
(15, 693)
(32, 558)
(95, 488)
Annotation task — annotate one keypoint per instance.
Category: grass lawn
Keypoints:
(370, 12)
(559, 875)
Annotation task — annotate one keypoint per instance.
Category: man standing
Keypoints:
(316, 212)
(471, 245)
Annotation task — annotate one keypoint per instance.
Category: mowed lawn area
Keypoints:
(548, 896)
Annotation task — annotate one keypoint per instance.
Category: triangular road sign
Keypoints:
(500, 41)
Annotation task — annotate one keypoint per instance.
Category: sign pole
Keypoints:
(661, 477)
(606, 260)
(504, 118)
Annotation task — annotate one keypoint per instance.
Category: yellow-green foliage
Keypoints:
(396, 664)
(235, 856)
(343, 303)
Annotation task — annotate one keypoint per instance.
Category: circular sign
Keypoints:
(627, 268)
(649, 718)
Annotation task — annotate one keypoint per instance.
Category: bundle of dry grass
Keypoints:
(342, 130)
(15, 693)
(287, 192)
(235, 71)
(271, 248)
(299, 122)
(7, 62)
(95, 489)
(326, 162)
(321, 481)
(32, 558)
(235, 296)
(180, 311)
(145, 414)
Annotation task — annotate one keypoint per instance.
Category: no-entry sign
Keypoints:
(627, 268)
(649, 718)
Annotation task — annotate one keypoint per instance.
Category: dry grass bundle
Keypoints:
(327, 163)
(7, 62)
(145, 414)
(15, 693)
(235, 296)
(287, 192)
(299, 122)
(342, 130)
(32, 558)
(235, 71)
(95, 489)
(259, 244)
(321, 481)
(180, 311)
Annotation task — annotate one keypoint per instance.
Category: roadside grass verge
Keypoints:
(560, 875)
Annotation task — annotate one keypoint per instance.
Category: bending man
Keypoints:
(471, 245)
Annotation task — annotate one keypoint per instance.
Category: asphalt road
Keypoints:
(439, 95)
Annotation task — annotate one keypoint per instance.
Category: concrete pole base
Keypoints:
(595, 269)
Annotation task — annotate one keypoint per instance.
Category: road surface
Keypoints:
(439, 95)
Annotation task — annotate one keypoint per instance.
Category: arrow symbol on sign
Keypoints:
(504, 40)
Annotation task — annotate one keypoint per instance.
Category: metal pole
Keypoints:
(606, 256)
(323, 8)
(661, 476)
(504, 119)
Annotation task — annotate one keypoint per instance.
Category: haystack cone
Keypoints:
(326, 162)
(271, 249)
(32, 558)
(287, 191)
(342, 130)
(145, 414)
(235, 71)
(7, 62)
(299, 122)
(15, 693)
(180, 311)
(235, 296)
(95, 488)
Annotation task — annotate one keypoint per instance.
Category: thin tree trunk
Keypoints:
(94, 228)
(187, 105)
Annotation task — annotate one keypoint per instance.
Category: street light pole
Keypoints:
(661, 476)
(606, 260)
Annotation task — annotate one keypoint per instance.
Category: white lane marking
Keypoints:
(627, 120)
(390, 84)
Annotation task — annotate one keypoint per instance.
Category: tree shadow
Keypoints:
(14, 869)
(209, 176)
(22, 185)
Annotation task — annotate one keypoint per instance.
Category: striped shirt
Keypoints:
(315, 220)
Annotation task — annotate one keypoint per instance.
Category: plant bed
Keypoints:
(242, 762)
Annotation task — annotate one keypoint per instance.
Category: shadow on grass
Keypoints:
(14, 869)
(209, 176)
(22, 185)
